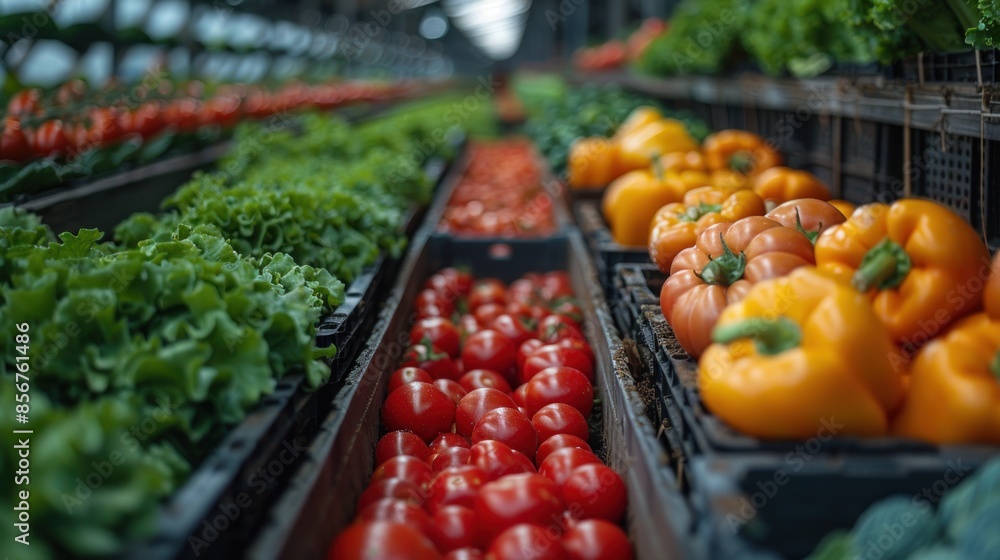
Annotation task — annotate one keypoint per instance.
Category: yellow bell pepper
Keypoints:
(638, 118)
(592, 162)
(846, 208)
(781, 184)
(740, 151)
(638, 148)
(917, 260)
(683, 161)
(954, 394)
(797, 355)
(631, 200)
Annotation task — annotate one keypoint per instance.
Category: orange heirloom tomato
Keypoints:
(919, 262)
(846, 208)
(631, 200)
(811, 216)
(676, 226)
(991, 294)
(728, 258)
(592, 162)
(782, 184)
(740, 151)
(954, 394)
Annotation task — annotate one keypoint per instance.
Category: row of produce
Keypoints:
(914, 266)
(74, 130)
(804, 40)
(144, 348)
(471, 468)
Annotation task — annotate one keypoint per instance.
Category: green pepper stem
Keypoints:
(657, 167)
(770, 336)
(742, 162)
(884, 266)
(694, 213)
(995, 365)
(726, 269)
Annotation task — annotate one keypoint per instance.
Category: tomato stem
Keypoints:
(726, 269)
(884, 266)
(770, 336)
(810, 235)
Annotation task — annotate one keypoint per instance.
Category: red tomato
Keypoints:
(445, 441)
(14, 145)
(596, 540)
(433, 298)
(467, 325)
(483, 379)
(497, 459)
(556, 285)
(104, 129)
(432, 310)
(451, 283)
(50, 138)
(465, 554)
(450, 457)
(518, 395)
(514, 499)
(405, 375)
(555, 355)
(519, 309)
(488, 349)
(487, 313)
(559, 418)
(455, 486)
(399, 443)
(487, 290)
(554, 328)
(432, 360)
(454, 528)
(595, 491)
(527, 540)
(407, 467)
(25, 102)
(561, 462)
(512, 327)
(71, 91)
(556, 442)
(145, 120)
(183, 114)
(578, 344)
(383, 540)
(436, 331)
(510, 426)
(223, 110)
(526, 349)
(559, 384)
(420, 408)
(395, 488)
(477, 403)
(451, 389)
(398, 511)
(569, 309)
(523, 291)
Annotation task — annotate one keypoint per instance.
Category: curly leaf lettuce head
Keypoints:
(986, 32)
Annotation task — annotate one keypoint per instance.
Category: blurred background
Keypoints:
(45, 42)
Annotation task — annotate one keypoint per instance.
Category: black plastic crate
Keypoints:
(605, 251)
(751, 498)
(787, 131)
(948, 169)
(319, 502)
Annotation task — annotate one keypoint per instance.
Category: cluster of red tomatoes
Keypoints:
(470, 468)
(500, 193)
(72, 119)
